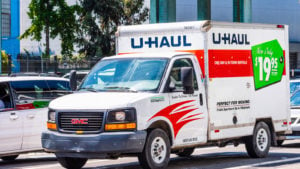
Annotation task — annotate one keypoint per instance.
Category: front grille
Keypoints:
(89, 122)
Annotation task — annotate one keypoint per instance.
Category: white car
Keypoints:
(294, 85)
(80, 75)
(295, 115)
(23, 112)
(295, 111)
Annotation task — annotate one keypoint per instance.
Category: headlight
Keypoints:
(123, 119)
(51, 115)
(121, 116)
(51, 125)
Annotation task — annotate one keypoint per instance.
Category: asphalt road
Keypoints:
(230, 157)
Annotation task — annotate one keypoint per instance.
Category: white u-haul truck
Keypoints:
(174, 87)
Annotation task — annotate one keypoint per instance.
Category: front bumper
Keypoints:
(103, 145)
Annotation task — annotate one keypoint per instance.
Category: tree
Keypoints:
(54, 18)
(99, 21)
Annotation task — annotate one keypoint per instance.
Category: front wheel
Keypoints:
(72, 163)
(259, 143)
(156, 153)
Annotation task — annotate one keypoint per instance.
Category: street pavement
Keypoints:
(229, 157)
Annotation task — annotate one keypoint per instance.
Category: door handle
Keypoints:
(200, 99)
(13, 116)
(31, 116)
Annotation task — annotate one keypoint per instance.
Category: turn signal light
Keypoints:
(51, 126)
(122, 126)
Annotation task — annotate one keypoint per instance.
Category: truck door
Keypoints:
(11, 122)
(188, 111)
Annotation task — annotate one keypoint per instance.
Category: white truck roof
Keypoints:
(149, 55)
(180, 26)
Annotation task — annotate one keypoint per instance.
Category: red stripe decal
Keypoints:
(230, 63)
(25, 106)
(176, 117)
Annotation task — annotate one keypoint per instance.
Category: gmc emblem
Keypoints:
(79, 121)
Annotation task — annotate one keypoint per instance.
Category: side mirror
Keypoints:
(187, 78)
(73, 80)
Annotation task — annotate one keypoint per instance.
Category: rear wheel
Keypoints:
(156, 153)
(72, 163)
(9, 158)
(186, 152)
(258, 144)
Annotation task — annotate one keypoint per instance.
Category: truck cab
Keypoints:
(113, 108)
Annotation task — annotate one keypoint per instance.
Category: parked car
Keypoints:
(295, 111)
(80, 75)
(295, 116)
(294, 85)
(23, 111)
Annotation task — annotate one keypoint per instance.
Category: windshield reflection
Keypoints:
(126, 75)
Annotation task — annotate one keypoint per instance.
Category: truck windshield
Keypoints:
(126, 75)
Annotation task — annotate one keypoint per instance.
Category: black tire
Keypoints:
(157, 143)
(186, 152)
(9, 158)
(259, 143)
(279, 142)
(72, 163)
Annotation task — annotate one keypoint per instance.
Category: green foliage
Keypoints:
(99, 21)
(4, 58)
(91, 24)
(54, 18)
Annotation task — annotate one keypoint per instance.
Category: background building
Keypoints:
(255, 11)
(15, 20)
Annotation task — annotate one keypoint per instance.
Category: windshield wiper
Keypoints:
(89, 89)
(121, 88)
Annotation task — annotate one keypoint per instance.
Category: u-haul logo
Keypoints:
(230, 39)
(160, 42)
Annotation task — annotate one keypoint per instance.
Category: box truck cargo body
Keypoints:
(244, 67)
(174, 87)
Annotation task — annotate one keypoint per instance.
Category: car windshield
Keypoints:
(127, 75)
(295, 99)
(294, 86)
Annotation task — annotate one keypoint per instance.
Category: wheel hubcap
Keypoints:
(262, 139)
(158, 150)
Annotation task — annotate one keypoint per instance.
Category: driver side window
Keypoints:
(5, 97)
(175, 84)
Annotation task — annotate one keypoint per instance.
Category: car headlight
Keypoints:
(51, 115)
(51, 125)
(122, 119)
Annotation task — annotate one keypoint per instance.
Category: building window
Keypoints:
(6, 18)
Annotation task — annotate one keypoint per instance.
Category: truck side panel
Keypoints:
(247, 79)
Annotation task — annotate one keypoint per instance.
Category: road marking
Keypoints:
(42, 167)
(266, 163)
(58, 165)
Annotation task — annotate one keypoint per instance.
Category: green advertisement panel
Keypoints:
(268, 63)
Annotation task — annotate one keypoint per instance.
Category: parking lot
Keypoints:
(230, 157)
